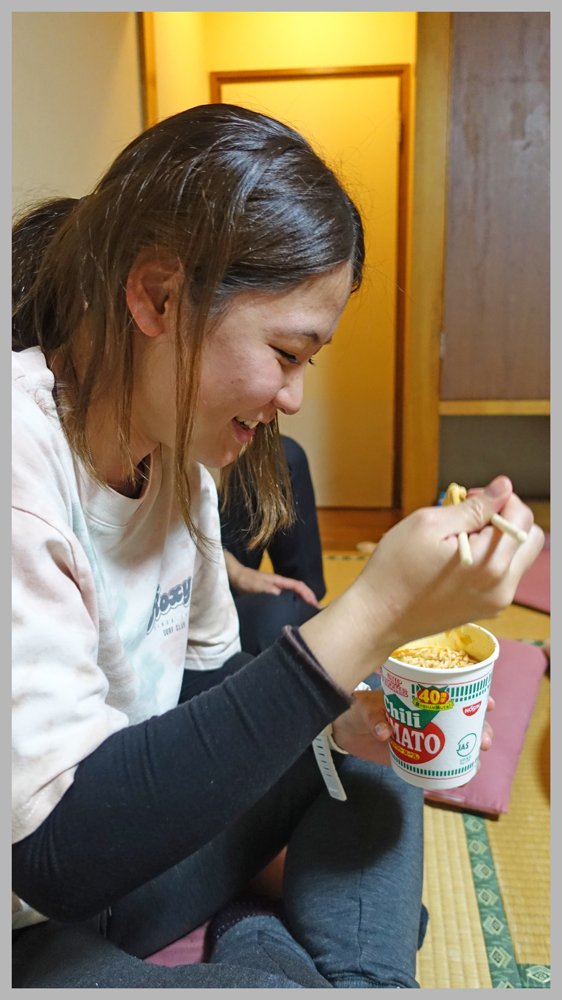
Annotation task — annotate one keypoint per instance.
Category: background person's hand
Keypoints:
(253, 581)
(364, 730)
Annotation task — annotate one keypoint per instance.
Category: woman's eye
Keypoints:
(292, 358)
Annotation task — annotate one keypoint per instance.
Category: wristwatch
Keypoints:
(323, 746)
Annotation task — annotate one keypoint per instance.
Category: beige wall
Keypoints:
(182, 78)
(272, 40)
(190, 45)
(76, 99)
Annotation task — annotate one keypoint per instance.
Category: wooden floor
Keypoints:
(343, 528)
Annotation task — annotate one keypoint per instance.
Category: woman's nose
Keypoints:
(290, 395)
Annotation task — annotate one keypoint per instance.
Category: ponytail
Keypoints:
(31, 237)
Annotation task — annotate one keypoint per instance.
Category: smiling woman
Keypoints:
(160, 324)
(209, 204)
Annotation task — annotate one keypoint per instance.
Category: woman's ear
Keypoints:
(152, 293)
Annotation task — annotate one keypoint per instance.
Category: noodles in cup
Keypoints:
(434, 657)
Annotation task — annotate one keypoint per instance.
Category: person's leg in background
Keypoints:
(263, 617)
(295, 553)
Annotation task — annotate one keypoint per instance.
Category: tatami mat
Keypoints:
(521, 623)
(453, 953)
(520, 842)
(340, 570)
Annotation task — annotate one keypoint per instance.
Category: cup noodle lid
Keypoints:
(437, 714)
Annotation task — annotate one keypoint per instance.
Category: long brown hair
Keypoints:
(245, 204)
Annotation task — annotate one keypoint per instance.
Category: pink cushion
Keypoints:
(534, 587)
(186, 951)
(515, 683)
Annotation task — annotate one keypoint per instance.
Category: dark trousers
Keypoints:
(352, 896)
(296, 553)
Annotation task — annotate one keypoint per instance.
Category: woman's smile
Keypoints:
(244, 429)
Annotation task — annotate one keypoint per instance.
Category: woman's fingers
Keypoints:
(356, 730)
(373, 714)
(487, 736)
(501, 558)
(253, 581)
(514, 511)
(504, 560)
(300, 588)
(527, 552)
(477, 510)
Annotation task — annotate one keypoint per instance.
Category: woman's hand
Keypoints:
(364, 730)
(253, 581)
(416, 575)
(414, 584)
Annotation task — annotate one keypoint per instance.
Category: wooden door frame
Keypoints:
(420, 456)
(147, 68)
(403, 72)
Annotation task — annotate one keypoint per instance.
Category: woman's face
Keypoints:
(253, 365)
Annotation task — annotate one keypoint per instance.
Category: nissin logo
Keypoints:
(173, 598)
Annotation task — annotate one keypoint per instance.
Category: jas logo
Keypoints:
(167, 601)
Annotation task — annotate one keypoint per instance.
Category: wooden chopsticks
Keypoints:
(456, 494)
(509, 528)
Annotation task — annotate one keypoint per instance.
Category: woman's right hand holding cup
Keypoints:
(414, 584)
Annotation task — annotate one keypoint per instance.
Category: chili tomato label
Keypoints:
(435, 699)
(416, 746)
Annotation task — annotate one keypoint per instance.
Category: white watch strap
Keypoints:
(322, 746)
(327, 770)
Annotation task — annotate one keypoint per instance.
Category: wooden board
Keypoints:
(496, 323)
(494, 407)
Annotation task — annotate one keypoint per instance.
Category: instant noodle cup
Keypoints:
(437, 712)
